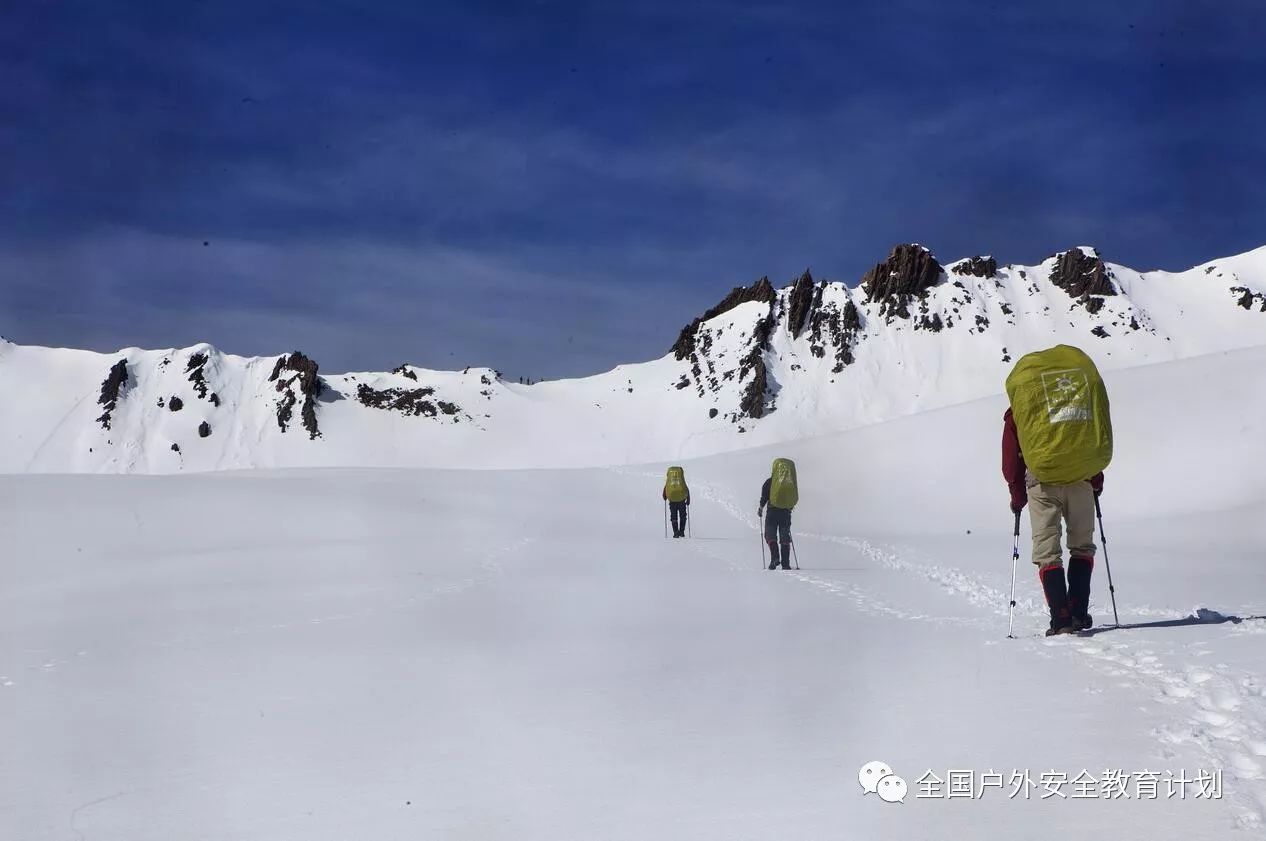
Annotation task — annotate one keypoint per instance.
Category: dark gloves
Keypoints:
(1096, 482)
(1019, 497)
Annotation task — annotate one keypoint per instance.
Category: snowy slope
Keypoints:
(521, 655)
(764, 366)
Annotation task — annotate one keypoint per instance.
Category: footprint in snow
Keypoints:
(1245, 767)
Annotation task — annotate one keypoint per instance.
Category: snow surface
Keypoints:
(418, 654)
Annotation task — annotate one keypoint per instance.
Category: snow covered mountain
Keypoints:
(765, 365)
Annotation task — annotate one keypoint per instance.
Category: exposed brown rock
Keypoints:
(407, 401)
(1248, 297)
(1081, 275)
(194, 369)
(802, 301)
(977, 266)
(909, 272)
(111, 388)
(839, 329)
(761, 290)
(752, 402)
(305, 375)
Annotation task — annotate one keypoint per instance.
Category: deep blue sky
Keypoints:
(551, 188)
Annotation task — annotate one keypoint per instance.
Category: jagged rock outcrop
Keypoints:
(1082, 275)
(908, 273)
(761, 290)
(752, 402)
(1247, 297)
(838, 329)
(309, 385)
(194, 368)
(111, 388)
(403, 370)
(801, 303)
(407, 401)
(977, 266)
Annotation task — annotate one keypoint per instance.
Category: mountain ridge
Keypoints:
(766, 364)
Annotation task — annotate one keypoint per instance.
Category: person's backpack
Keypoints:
(1060, 408)
(675, 485)
(783, 492)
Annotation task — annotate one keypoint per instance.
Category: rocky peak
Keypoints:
(801, 303)
(909, 272)
(977, 266)
(761, 290)
(1081, 273)
(309, 386)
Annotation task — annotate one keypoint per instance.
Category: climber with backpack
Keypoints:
(1056, 443)
(677, 495)
(780, 493)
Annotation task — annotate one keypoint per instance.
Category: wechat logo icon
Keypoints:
(877, 778)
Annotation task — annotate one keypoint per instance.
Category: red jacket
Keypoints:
(1014, 469)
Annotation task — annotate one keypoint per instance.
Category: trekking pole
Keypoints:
(794, 556)
(1015, 559)
(760, 534)
(689, 517)
(1103, 538)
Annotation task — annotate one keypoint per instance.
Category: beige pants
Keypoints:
(1052, 505)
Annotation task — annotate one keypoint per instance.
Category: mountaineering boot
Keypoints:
(773, 554)
(786, 556)
(1079, 570)
(1056, 599)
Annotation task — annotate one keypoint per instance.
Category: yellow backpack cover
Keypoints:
(675, 485)
(1060, 407)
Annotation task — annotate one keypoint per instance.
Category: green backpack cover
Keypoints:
(783, 492)
(1060, 407)
(675, 485)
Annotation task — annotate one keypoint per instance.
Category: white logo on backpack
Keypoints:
(1067, 395)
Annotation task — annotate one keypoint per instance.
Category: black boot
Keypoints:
(786, 556)
(1056, 599)
(773, 554)
(1079, 570)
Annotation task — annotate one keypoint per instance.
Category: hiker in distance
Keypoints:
(1056, 442)
(780, 494)
(677, 495)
